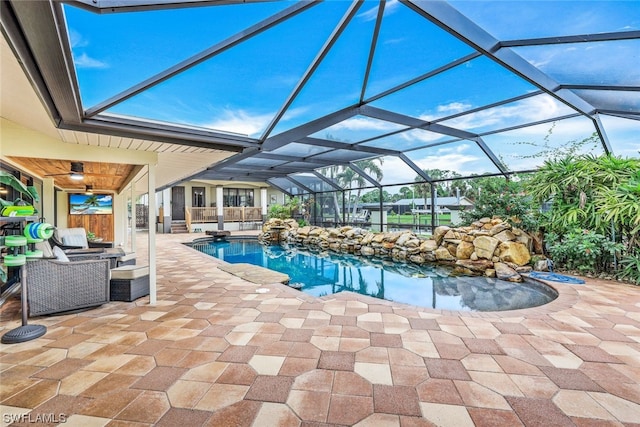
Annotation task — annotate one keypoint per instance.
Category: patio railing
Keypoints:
(241, 214)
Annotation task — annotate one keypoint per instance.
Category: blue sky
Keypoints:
(241, 89)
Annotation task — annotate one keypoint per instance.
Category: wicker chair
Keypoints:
(56, 287)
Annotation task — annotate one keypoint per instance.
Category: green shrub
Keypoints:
(582, 250)
(285, 211)
(279, 211)
(630, 269)
(506, 200)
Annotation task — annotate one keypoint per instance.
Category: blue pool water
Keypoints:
(427, 286)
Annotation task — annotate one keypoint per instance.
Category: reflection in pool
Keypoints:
(431, 286)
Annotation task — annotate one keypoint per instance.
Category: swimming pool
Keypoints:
(433, 286)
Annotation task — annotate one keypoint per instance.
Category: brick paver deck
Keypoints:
(215, 352)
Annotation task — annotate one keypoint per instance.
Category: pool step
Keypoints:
(255, 274)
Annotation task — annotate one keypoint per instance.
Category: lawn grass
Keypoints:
(424, 219)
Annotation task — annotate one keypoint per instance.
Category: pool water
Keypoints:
(433, 286)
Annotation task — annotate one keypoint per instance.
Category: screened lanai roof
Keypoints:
(473, 87)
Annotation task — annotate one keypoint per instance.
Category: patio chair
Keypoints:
(55, 286)
(71, 238)
(362, 216)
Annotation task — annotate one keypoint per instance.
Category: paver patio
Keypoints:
(215, 352)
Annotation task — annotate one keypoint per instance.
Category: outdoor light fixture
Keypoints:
(3, 190)
(77, 171)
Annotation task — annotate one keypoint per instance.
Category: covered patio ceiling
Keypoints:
(477, 88)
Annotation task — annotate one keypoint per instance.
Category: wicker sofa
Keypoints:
(55, 287)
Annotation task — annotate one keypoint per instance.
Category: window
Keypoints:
(235, 197)
(198, 197)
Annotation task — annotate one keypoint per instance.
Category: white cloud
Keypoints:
(105, 199)
(455, 157)
(453, 107)
(240, 121)
(76, 40)
(532, 109)
(420, 135)
(371, 14)
(84, 61)
(363, 124)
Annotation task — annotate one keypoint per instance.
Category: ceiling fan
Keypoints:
(76, 172)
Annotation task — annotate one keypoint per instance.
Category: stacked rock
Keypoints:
(490, 246)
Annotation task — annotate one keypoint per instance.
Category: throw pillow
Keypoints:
(75, 240)
(45, 247)
(59, 253)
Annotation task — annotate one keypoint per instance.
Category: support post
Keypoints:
(381, 215)
(48, 201)
(132, 220)
(344, 218)
(220, 207)
(433, 208)
(151, 184)
(263, 203)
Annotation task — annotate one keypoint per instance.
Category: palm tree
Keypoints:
(333, 172)
(91, 201)
(346, 178)
(373, 168)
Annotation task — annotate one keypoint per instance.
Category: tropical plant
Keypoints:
(582, 250)
(348, 178)
(621, 206)
(576, 188)
(630, 269)
(284, 211)
(599, 194)
(505, 199)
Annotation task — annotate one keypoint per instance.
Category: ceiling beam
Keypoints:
(327, 180)
(249, 152)
(372, 49)
(309, 128)
(120, 6)
(526, 125)
(491, 155)
(270, 182)
(488, 106)
(357, 169)
(416, 168)
(300, 185)
(602, 134)
(621, 114)
(271, 156)
(412, 122)
(578, 38)
(344, 146)
(173, 136)
(424, 76)
(602, 87)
